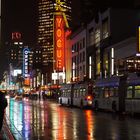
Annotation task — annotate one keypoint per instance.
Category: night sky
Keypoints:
(20, 16)
(17, 16)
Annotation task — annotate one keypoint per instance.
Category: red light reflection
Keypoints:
(89, 122)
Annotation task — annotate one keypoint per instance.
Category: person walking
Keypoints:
(3, 105)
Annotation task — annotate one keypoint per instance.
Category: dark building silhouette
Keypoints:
(88, 9)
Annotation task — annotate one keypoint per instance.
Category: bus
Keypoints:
(77, 94)
(118, 93)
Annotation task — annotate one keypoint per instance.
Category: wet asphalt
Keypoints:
(47, 120)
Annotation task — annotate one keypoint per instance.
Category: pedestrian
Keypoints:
(3, 105)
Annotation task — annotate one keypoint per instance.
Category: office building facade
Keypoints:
(46, 10)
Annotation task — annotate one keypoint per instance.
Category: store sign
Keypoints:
(59, 42)
(26, 62)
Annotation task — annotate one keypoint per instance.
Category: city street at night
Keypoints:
(47, 120)
(70, 70)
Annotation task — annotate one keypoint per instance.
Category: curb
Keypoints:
(6, 131)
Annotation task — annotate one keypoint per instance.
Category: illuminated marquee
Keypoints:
(59, 38)
(25, 62)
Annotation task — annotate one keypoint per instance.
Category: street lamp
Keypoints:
(58, 75)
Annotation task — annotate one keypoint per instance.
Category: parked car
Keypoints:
(18, 97)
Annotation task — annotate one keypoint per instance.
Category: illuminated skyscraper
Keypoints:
(46, 9)
(0, 20)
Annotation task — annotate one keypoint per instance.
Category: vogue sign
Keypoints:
(59, 38)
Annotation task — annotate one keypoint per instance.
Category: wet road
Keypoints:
(47, 120)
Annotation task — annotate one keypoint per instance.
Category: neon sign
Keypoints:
(139, 40)
(59, 38)
(16, 36)
(25, 62)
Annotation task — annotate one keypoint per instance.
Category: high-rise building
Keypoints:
(19, 56)
(0, 20)
(46, 9)
(90, 8)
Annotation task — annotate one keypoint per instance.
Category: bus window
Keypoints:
(69, 92)
(81, 92)
(90, 87)
(115, 91)
(106, 93)
(111, 92)
(63, 93)
(84, 92)
(98, 92)
(137, 91)
(129, 92)
(74, 93)
(78, 93)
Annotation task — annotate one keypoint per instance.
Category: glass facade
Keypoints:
(46, 9)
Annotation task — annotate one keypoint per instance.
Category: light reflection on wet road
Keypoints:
(46, 120)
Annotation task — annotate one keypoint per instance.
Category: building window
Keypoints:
(84, 69)
(83, 42)
(83, 56)
(91, 37)
(77, 60)
(97, 37)
(80, 57)
(80, 44)
(105, 64)
(77, 47)
(137, 91)
(105, 28)
(98, 62)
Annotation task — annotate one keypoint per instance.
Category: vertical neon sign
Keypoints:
(59, 38)
(25, 62)
(139, 40)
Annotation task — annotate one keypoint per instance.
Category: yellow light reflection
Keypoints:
(139, 40)
(75, 124)
(58, 123)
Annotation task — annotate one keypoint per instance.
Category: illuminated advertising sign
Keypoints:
(16, 36)
(59, 75)
(139, 40)
(59, 38)
(17, 71)
(26, 62)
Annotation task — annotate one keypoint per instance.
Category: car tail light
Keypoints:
(89, 97)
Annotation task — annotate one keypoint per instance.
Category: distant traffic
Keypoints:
(115, 94)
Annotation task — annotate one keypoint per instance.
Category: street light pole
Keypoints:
(58, 75)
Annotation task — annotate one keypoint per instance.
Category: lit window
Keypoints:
(105, 28)
(97, 36)
(91, 37)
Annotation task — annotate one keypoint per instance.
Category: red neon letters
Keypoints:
(59, 42)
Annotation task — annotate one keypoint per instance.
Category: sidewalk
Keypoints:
(5, 134)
